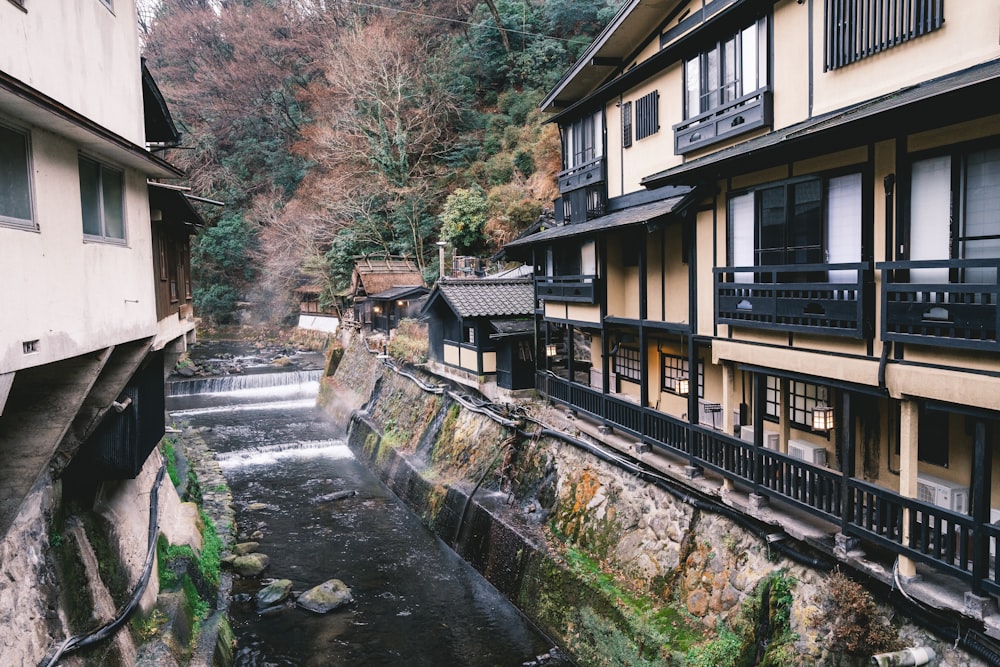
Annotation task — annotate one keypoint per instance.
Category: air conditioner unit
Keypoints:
(808, 452)
(772, 440)
(949, 495)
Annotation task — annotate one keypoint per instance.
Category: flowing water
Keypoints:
(415, 601)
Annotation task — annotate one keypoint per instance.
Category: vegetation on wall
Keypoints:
(332, 129)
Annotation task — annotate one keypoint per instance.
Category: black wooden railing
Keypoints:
(794, 297)
(950, 303)
(951, 542)
(733, 118)
(566, 288)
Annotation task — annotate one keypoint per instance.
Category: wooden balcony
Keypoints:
(777, 297)
(948, 541)
(589, 173)
(746, 113)
(945, 303)
(566, 288)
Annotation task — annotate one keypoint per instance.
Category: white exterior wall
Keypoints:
(73, 296)
(82, 54)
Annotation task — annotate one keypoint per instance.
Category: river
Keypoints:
(415, 601)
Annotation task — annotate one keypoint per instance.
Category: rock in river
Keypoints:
(274, 593)
(250, 565)
(326, 597)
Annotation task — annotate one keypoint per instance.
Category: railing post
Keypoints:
(759, 398)
(982, 465)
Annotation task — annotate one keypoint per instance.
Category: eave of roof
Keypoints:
(174, 203)
(633, 215)
(570, 100)
(950, 99)
(399, 292)
(23, 101)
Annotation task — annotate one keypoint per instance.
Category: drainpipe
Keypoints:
(904, 658)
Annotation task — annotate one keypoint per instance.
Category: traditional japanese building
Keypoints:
(775, 259)
(483, 329)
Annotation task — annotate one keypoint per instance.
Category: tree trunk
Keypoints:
(496, 18)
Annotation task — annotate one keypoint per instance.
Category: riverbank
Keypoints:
(617, 569)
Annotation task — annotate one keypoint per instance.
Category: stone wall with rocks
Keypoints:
(616, 569)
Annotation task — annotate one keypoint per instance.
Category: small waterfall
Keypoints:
(336, 449)
(244, 382)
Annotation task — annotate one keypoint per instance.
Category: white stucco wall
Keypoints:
(82, 54)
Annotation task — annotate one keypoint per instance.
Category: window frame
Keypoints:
(807, 394)
(761, 47)
(647, 115)
(103, 168)
(626, 124)
(674, 367)
(958, 205)
(583, 140)
(30, 223)
(853, 32)
(628, 364)
(795, 254)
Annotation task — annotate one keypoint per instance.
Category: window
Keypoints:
(470, 335)
(808, 221)
(949, 224)
(856, 29)
(15, 178)
(932, 437)
(675, 368)
(102, 199)
(802, 398)
(627, 363)
(647, 115)
(772, 398)
(583, 141)
(626, 124)
(731, 68)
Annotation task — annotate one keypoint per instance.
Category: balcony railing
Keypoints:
(741, 115)
(776, 297)
(566, 288)
(588, 173)
(950, 303)
(946, 540)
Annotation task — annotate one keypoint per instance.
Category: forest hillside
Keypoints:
(334, 128)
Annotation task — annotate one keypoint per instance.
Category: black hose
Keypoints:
(102, 633)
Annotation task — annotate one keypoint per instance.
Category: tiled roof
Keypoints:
(488, 297)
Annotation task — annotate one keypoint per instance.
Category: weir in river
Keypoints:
(415, 601)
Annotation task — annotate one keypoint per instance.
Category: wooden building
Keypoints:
(384, 290)
(776, 258)
(484, 327)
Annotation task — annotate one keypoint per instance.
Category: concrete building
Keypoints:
(775, 260)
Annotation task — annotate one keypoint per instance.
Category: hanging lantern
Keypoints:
(550, 350)
(822, 417)
(683, 386)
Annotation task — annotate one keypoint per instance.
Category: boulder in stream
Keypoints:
(274, 593)
(326, 597)
(250, 565)
(244, 548)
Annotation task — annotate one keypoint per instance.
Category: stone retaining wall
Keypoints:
(616, 570)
